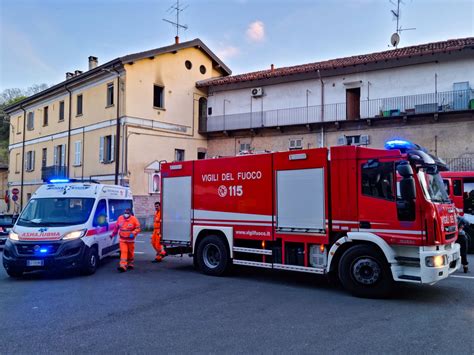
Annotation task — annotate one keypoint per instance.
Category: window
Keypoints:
(117, 207)
(58, 211)
(296, 144)
(18, 125)
(244, 147)
(107, 149)
(457, 188)
(158, 96)
(188, 65)
(179, 155)
(363, 139)
(17, 163)
(61, 111)
(79, 105)
(60, 155)
(377, 180)
(77, 153)
(209, 111)
(201, 155)
(202, 114)
(30, 160)
(45, 116)
(100, 215)
(155, 182)
(202, 69)
(30, 123)
(44, 157)
(110, 94)
(353, 140)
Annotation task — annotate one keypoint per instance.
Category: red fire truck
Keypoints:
(366, 216)
(460, 188)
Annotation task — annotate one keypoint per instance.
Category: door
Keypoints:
(378, 196)
(100, 224)
(461, 95)
(353, 104)
(176, 209)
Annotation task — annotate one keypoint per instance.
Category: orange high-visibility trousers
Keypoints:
(127, 253)
(156, 243)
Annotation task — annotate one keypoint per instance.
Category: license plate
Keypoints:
(34, 262)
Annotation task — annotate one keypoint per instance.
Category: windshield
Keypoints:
(51, 212)
(433, 186)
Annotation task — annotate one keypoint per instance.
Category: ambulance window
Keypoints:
(446, 185)
(100, 216)
(117, 207)
(457, 190)
(377, 180)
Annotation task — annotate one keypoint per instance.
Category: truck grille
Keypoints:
(34, 249)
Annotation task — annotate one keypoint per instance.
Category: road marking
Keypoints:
(139, 252)
(463, 277)
(139, 241)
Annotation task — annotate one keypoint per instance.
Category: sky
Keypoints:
(40, 40)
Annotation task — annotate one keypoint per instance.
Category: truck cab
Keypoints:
(65, 225)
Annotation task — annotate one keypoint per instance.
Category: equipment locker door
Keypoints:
(177, 209)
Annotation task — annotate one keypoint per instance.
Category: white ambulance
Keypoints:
(66, 225)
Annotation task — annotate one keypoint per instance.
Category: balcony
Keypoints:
(53, 172)
(410, 105)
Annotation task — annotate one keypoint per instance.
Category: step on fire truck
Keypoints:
(366, 216)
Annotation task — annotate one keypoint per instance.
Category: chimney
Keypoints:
(93, 62)
(272, 67)
(176, 40)
(77, 72)
(69, 75)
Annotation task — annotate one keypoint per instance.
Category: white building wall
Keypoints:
(409, 80)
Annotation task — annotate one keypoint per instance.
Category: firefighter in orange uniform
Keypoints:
(127, 227)
(156, 236)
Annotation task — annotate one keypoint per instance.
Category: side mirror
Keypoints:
(407, 189)
(405, 169)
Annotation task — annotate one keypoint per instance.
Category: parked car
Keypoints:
(6, 224)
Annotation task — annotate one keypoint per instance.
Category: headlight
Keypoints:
(74, 235)
(13, 236)
(436, 261)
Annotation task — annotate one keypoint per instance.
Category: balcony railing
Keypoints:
(384, 107)
(460, 164)
(53, 172)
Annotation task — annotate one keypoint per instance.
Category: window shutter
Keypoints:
(77, 152)
(32, 160)
(342, 140)
(55, 159)
(63, 155)
(25, 161)
(101, 149)
(112, 147)
(364, 139)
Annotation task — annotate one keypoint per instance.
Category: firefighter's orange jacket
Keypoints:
(157, 222)
(127, 229)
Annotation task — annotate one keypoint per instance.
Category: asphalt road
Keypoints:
(172, 308)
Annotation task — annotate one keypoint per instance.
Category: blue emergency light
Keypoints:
(400, 144)
(58, 181)
(43, 250)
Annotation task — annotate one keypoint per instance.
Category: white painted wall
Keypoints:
(410, 80)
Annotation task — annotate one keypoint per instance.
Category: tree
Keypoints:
(9, 97)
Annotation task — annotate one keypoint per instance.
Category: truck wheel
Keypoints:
(364, 272)
(91, 261)
(16, 273)
(213, 256)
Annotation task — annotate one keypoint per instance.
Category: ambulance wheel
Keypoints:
(15, 273)
(91, 261)
(213, 256)
(364, 272)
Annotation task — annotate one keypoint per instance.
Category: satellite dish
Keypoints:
(395, 39)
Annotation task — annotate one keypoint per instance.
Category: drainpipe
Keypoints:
(322, 108)
(117, 134)
(22, 158)
(68, 130)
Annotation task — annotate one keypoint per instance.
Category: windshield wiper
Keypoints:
(28, 221)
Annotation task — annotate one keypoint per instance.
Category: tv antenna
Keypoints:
(178, 9)
(395, 38)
